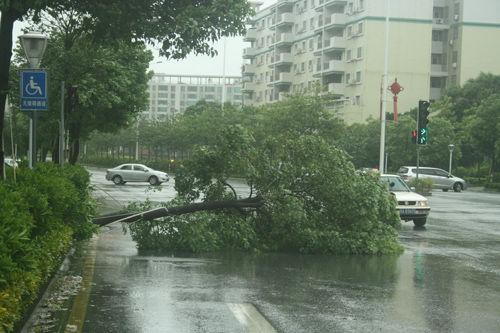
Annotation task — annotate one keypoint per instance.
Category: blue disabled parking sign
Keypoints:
(34, 90)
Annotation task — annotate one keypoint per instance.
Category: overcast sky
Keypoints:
(199, 65)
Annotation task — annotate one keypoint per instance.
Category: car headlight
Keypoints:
(422, 204)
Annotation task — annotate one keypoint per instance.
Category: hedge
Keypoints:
(40, 216)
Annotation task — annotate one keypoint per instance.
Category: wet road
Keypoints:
(448, 280)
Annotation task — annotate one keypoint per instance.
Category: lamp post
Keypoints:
(451, 147)
(33, 44)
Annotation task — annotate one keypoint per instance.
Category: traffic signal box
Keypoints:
(423, 121)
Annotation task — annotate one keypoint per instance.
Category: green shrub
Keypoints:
(492, 186)
(422, 185)
(40, 215)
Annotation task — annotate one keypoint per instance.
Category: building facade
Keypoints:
(170, 95)
(338, 46)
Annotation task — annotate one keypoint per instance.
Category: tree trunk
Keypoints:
(7, 20)
(252, 203)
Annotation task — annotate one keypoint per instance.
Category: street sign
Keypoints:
(33, 90)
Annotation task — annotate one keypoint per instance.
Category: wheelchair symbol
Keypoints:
(32, 88)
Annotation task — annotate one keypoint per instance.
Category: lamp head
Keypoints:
(34, 45)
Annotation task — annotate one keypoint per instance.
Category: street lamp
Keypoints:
(33, 44)
(451, 147)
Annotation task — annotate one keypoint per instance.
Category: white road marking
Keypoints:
(251, 318)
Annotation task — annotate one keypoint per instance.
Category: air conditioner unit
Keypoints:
(454, 65)
(451, 41)
(456, 17)
(439, 21)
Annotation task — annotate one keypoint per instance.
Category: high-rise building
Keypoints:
(172, 94)
(338, 46)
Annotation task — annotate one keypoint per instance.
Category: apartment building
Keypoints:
(172, 94)
(339, 46)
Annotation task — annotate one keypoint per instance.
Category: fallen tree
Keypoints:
(304, 196)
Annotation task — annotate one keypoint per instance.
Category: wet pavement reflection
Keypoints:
(448, 280)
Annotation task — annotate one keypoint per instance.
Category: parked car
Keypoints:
(440, 179)
(10, 162)
(411, 206)
(135, 173)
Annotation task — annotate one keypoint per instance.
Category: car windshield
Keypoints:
(394, 184)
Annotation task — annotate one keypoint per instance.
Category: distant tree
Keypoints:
(180, 27)
(485, 129)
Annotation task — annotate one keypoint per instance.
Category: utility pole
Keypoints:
(384, 99)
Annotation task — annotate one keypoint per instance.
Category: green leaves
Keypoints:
(314, 201)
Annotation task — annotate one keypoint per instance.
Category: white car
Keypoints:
(411, 206)
(135, 173)
(10, 162)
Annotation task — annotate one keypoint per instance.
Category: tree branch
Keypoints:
(156, 213)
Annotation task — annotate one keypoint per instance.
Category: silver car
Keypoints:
(135, 173)
(440, 179)
(410, 205)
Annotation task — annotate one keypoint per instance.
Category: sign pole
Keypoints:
(30, 145)
(61, 128)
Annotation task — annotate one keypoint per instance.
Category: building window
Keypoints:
(311, 44)
(348, 78)
(349, 31)
(436, 59)
(359, 53)
(348, 55)
(303, 67)
(358, 76)
(360, 28)
(361, 4)
(310, 65)
(357, 100)
(311, 23)
(438, 82)
(455, 32)
(437, 36)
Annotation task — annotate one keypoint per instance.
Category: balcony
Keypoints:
(439, 70)
(248, 69)
(327, 3)
(440, 24)
(251, 35)
(282, 95)
(437, 47)
(249, 87)
(283, 39)
(284, 78)
(436, 93)
(249, 53)
(282, 59)
(336, 88)
(331, 44)
(335, 20)
(285, 19)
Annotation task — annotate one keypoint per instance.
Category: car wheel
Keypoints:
(445, 189)
(153, 180)
(419, 222)
(117, 180)
(457, 187)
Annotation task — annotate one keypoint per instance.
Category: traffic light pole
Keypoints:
(418, 145)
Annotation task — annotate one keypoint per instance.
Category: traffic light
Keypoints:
(423, 121)
(414, 136)
(72, 98)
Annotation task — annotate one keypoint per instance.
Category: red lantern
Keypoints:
(396, 88)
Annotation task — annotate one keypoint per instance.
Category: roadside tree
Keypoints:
(179, 27)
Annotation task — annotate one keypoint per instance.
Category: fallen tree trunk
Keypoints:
(156, 213)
